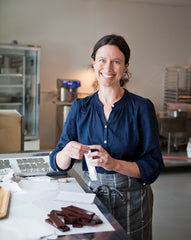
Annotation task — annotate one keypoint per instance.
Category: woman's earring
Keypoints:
(125, 74)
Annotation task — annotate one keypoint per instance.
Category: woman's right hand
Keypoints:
(75, 150)
(72, 149)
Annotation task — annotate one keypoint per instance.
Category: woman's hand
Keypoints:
(101, 158)
(75, 150)
(72, 149)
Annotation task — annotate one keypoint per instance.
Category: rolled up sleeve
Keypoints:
(150, 160)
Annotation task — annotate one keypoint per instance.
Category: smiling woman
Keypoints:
(121, 130)
(121, 44)
(109, 65)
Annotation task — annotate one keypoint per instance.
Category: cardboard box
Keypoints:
(11, 131)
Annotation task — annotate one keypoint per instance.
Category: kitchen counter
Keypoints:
(41, 195)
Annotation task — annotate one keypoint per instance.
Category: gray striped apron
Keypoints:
(130, 202)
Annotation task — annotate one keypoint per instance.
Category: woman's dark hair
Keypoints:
(119, 42)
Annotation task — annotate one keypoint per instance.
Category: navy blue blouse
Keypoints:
(130, 134)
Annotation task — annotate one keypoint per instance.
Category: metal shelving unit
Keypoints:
(177, 93)
(177, 86)
(12, 85)
(20, 84)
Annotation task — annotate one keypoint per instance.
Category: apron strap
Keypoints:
(104, 188)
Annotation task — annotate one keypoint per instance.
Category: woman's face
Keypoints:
(109, 65)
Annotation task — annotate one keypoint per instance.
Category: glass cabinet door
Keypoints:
(32, 90)
(19, 84)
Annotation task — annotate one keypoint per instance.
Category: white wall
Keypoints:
(158, 35)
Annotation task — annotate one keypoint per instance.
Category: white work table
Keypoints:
(33, 198)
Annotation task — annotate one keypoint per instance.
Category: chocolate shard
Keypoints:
(83, 213)
(63, 228)
(57, 212)
(66, 212)
(70, 219)
(72, 215)
(77, 225)
(57, 222)
(55, 219)
(97, 219)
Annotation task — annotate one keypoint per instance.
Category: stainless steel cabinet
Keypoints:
(20, 84)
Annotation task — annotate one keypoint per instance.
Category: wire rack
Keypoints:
(177, 85)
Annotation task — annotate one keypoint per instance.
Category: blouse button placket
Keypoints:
(105, 134)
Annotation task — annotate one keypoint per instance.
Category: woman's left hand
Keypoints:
(101, 158)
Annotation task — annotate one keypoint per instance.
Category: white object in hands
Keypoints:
(91, 169)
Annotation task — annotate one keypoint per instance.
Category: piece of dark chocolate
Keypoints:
(72, 215)
(97, 219)
(57, 222)
(84, 213)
